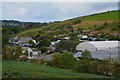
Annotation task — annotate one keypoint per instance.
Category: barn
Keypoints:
(97, 46)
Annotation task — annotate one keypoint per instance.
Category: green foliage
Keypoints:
(11, 53)
(55, 59)
(5, 40)
(116, 71)
(86, 54)
(62, 46)
(65, 45)
(46, 42)
(93, 67)
(67, 60)
(105, 23)
(82, 66)
(43, 49)
(114, 38)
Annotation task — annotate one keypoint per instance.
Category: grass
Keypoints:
(113, 15)
(18, 69)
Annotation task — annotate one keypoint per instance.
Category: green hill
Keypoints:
(110, 15)
(103, 22)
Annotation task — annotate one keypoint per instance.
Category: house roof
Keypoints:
(99, 45)
(26, 39)
(20, 38)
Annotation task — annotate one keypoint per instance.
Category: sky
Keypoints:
(52, 11)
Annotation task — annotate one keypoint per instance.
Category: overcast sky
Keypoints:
(52, 11)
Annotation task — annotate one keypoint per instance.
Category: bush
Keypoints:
(82, 66)
(116, 71)
(55, 59)
(11, 53)
(43, 49)
(42, 61)
(67, 60)
(93, 67)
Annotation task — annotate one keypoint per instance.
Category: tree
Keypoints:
(46, 42)
(62, 46)
(55, 59)
(67, 60)
(4, 40)
(11, 53)
(105, 23)
(43, 49)
(86, 54)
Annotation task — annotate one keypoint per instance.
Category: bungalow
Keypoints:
(22, 41)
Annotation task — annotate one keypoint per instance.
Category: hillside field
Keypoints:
(90, 22)
(19, 69)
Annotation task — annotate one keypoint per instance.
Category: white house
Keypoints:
(31, 54)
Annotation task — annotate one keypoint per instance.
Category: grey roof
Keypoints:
(15, 38)
(26, 39)
(20, 39)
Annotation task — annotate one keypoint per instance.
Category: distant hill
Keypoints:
(103, 22)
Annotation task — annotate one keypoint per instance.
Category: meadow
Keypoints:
(110, 15)
(19, 69)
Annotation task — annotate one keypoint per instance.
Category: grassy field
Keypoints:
(113, 15)
(18, 69)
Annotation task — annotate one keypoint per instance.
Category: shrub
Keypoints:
(43, 49)
(82, 66)
(11, 53)
(55, 59)
(116, 70)
(93, 67)
(67, 60)
(42, 61)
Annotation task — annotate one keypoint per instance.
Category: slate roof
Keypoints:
(23, 39)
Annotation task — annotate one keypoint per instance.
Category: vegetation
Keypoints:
(66, 60)
(43, 49)
(86, 54)
(82, 66)
(11, 53)
(65, 45)
(103, 22)
(19, 69)
(55, 59)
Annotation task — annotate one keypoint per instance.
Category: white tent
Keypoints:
(98, 45)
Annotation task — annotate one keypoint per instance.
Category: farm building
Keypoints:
(98, 46)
